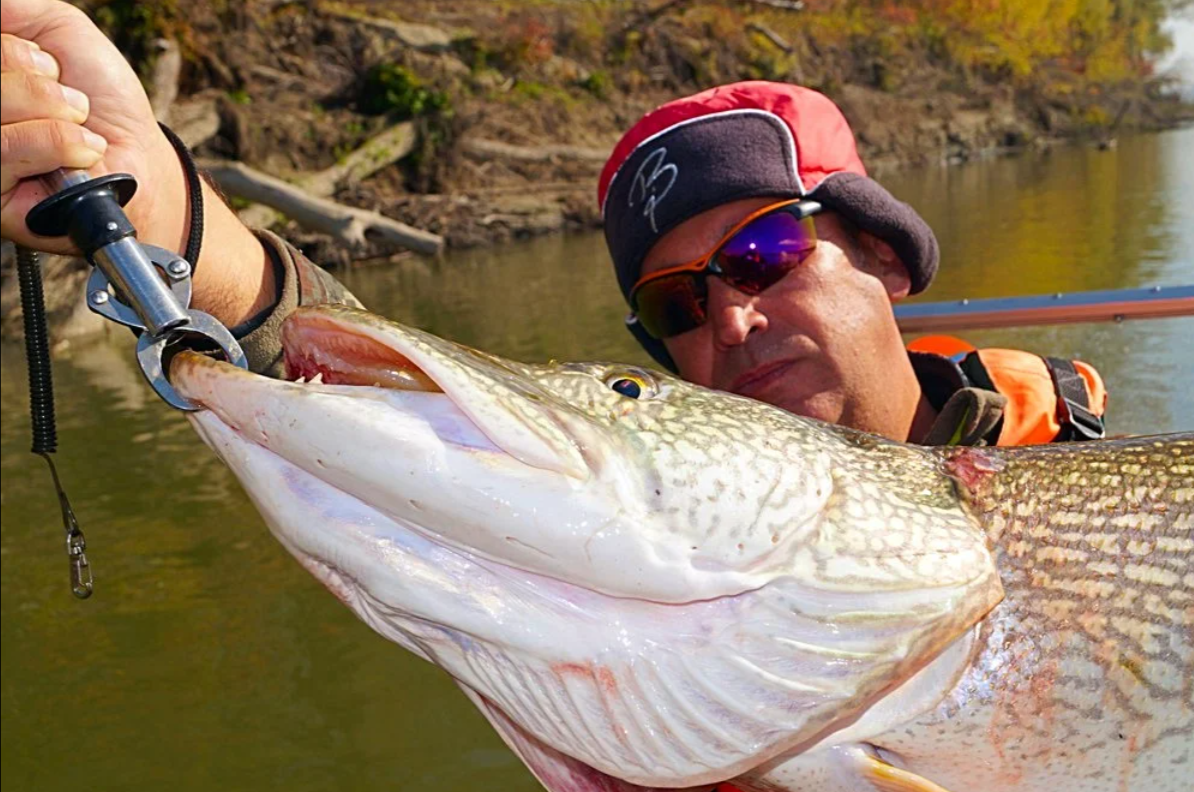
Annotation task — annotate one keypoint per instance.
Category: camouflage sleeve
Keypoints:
(302, 283)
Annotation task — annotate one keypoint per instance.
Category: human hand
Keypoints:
(40, 130)
(71, 100)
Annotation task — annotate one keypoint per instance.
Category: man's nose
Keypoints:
(733, 314)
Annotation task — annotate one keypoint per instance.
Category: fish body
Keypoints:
(1082, 678)
(645, 585)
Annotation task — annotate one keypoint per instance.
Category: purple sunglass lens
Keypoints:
(766, 250)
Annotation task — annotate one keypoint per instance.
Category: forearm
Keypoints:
(234, 278)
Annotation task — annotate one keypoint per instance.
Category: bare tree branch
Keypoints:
(374, 154)
(769, 34)
(785, 5)
(424, 38)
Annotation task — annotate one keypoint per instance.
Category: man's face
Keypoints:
(821, 343)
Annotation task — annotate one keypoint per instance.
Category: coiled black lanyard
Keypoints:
(41, 380)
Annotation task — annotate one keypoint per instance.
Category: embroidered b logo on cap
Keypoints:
(651, 183)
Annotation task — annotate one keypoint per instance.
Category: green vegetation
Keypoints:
(598, 83)
(394, 89)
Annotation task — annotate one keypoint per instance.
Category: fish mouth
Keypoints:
(320, 348)
(335, 345)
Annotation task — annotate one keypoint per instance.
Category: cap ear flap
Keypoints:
(871, 208)
(655, 348)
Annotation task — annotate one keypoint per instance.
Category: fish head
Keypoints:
(635, 576)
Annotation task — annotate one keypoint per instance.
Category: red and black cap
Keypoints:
(745, 140)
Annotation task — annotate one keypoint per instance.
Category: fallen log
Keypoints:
(785, 5)
(769, 34)
(281, 78)
(493, 149)
(423, 38)
(374, 154)
(350, 226)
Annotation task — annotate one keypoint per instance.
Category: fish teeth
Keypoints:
(317, 379)
(300, 381)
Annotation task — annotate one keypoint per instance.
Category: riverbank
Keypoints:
(512, 108)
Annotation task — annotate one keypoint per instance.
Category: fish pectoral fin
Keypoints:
(847, 767)
(886, 777)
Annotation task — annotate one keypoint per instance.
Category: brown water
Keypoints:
(208, 660)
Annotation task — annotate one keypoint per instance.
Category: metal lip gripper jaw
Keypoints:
(142, 286)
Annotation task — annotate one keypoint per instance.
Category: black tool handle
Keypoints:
(88, 210)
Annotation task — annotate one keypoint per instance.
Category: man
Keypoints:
(758, 258)
(803, 320)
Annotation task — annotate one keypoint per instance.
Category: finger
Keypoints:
(17, 54)
(30, 96)
(31, 148)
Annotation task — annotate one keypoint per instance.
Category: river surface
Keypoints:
(208, 660)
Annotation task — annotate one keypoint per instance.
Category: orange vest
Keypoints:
(1048, 399)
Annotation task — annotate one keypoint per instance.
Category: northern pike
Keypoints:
(644, 584)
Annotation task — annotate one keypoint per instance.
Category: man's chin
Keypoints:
(822, 406)
(825, 409)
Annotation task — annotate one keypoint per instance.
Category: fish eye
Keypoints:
(631, 384)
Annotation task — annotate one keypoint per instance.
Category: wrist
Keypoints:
(162, 218)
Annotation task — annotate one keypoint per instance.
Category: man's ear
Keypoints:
(884, 264)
